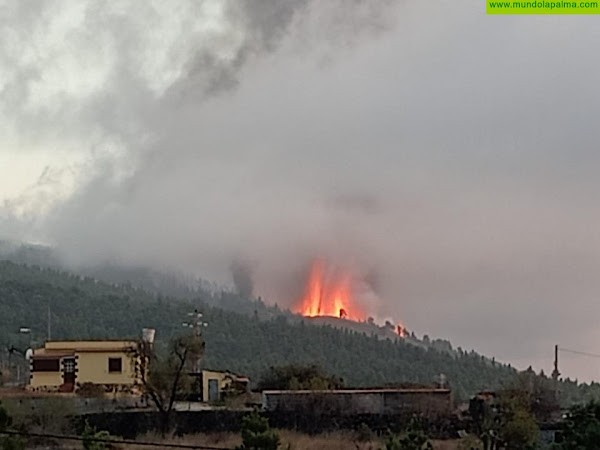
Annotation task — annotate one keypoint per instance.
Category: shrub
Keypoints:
(91, 390)
(581, 427)
(411, 439)
(257, 435)
(364, 433)
(470, 442)
(8, 442)
(90, 434)
(5, 419)
(520, 431)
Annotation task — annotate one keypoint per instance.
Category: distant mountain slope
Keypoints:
(85, 308)
(176, 287)
(154, 282)
(165, 283)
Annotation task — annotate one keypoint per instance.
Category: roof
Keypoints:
(61, 341)
(41, 353)
(56, 348)
(227, 372)
(362, 391)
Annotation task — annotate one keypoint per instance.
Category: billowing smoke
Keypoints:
(445, 157)
(241, 272)
(162, 166)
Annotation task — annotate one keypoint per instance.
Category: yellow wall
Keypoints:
(209, 375)
(92, 367)
(91, 362)
(40, 379)
(224, 381)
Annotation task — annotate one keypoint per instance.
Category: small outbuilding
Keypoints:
(215, 384)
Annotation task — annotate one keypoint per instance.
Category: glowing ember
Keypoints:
(329, 293)
(401, 331)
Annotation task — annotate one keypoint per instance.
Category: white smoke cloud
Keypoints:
(447, 156)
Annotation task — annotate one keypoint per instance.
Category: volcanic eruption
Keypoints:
(329, 292)
(332, 291)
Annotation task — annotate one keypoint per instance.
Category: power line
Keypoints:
(577, 352)
(109, 440)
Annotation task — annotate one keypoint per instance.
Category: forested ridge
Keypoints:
(246, 343)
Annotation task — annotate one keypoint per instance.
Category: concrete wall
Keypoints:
(435, 401)
(349, 402)
(71, 404)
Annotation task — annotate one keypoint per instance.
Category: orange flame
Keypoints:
(401, 331)
(329, 293)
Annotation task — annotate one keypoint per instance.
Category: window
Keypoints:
(46, 365)
(69, 365)
(115, 365)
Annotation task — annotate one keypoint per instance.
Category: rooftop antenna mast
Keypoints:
(49, 322)
(196, 324)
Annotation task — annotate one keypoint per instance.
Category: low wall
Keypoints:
(132, 424)
(72, 404)
(352, 402)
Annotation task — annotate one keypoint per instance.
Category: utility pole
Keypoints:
(556, 374)
(196, 324)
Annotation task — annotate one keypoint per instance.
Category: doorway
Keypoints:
(213, 390)
(69, 373)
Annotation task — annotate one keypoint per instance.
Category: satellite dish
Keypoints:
(28, 354)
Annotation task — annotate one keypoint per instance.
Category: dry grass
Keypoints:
(289, 439)
(225, 440)
(342, 440)
(446, 445)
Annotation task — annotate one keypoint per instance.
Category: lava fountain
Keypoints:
(328, 292)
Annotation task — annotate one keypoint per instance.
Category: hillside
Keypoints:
(85, 308)
(154, 283)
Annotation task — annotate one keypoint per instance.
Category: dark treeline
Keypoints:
(249, 342)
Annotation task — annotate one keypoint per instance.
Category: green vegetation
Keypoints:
(364, 433)
(8, 442)
(245, 343)
(94, 439)
(505, 420)
(5, 419)
(411, 439)
(257, 435)
(297, 377)
(581, 428)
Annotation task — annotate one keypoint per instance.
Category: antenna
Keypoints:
(49, 323)
(196, 323)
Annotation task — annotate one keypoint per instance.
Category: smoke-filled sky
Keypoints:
(446, 156)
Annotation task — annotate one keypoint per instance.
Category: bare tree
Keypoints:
(166, 379)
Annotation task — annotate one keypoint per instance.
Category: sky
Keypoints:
(445, 157)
